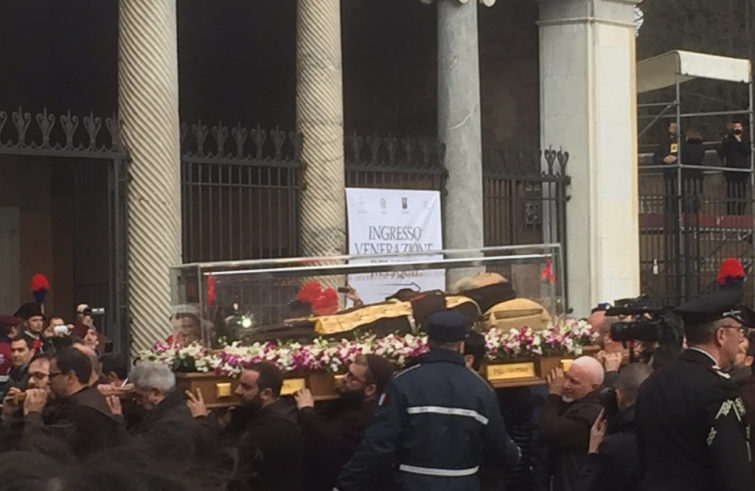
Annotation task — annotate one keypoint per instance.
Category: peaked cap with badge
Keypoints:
(725, 303)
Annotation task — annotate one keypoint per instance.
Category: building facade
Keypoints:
(137, 135)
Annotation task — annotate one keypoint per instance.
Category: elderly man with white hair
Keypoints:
(572, 407)
(155, 389)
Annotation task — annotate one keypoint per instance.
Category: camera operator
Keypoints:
(612, 352)
(613, 461)
(656, 336)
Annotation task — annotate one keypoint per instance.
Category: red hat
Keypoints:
(309, 293)
(9, 321)
(327, 303)
(731, 269)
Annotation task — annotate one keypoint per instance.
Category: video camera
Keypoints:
(645, 324)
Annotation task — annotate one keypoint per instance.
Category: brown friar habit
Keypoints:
(85, 419)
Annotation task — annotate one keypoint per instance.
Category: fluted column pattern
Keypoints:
(319, 116)
(148, 105)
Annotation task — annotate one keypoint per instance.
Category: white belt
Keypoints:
(427, 471)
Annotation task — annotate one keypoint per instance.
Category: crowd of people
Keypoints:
(75, 418)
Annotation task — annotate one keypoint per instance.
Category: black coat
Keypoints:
(517, 408)
(156, 430)
(332, 436)
(565, 428)
(690, 432)
(668, 146)
(616, 465)
(17, 377)
(84, 420)
(172, 409)
(436, 421)
(693, 153)
(734, 153)
(275, 434)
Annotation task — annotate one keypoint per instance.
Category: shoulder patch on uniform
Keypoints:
(721, 374)
(402, 372)
(383, 399)
(711, 436)
(732, 404)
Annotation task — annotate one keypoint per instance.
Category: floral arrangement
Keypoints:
(566, 336)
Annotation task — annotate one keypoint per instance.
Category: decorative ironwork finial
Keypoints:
(487, 3)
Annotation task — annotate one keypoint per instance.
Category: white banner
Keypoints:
(389, 221)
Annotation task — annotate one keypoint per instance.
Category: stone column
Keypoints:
(319, 117)
(148, 106)
(460, 128)
(459, 123)
(588, 107)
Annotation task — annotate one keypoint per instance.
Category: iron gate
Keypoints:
(91, 163)
(685, 238)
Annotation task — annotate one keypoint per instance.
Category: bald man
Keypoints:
(96, 378)
(571, 409)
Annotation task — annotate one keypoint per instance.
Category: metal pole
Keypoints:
(752, 157)
(679, 189)
(694, 115)
(112, 328)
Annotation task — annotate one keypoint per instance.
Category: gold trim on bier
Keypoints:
(223, 390)
(566, 365)
(510, 371)
(291, 385)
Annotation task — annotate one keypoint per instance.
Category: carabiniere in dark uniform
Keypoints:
(436, 422)
(692, 434)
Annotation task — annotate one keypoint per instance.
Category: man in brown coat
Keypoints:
(571, 409)
(334, 434)
(83, 416)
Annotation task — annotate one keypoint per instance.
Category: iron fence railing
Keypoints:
(685, 237)
(395, 163)
(240, 192)
(87, 168)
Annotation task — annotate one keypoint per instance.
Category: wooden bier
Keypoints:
(523, 373)
(219, 390)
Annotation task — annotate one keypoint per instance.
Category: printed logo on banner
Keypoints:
(377, 232)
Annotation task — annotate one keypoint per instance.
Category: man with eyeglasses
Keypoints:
(691, 426)
(82, 414)
(333, 434)
(39, 378)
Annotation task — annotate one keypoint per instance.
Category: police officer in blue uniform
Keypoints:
(691, 430)
(436, 422)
